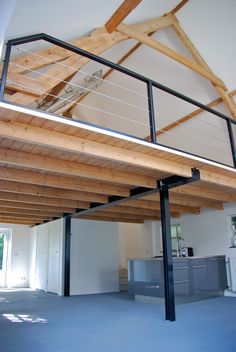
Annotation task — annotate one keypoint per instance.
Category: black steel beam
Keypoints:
(167, 254)
(67, 255)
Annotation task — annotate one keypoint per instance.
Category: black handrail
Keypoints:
(149, 82)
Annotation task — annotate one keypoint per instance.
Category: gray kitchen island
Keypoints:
(194, 277)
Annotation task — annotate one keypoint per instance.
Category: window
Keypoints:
(175, 234)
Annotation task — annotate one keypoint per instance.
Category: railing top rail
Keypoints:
(115, 66)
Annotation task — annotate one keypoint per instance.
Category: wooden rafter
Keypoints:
(121, 13)
(229, 102)
(143, 38)
(179, 6)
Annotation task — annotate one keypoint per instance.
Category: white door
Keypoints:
(41, 276)
(54, 257)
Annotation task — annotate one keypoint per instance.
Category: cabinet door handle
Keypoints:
(199, 266)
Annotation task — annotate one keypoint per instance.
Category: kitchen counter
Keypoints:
(193, 276)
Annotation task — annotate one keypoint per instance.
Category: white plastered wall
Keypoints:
(94, 257)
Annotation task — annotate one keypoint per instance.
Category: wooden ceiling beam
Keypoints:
(111, 219)
(6, 220)
(188, 201)
(121, 13)
(217, 179)
(154, 44)
(35, 190)
(154, 204)
(40, 218)
(61, 141)
(29, 212)
(41, 207)
(45, 163)
(59, 181)
(205, 193)
(25, 198)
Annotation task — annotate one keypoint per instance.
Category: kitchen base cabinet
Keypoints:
(194, 277)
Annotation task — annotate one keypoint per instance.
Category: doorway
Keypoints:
(5, 235)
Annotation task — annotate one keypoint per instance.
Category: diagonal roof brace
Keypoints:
(167, 183)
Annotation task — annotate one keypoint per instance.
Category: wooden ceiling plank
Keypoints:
(78, 145)
(228, 100)
(121, 13)
(144, 39)
(35, 161)
(19, 187)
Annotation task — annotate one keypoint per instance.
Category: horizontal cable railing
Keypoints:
(125, 101)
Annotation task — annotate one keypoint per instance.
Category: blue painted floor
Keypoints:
(40, 322)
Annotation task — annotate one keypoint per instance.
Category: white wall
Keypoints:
(94, 257)
(135, 241)
(18, 264)
(208, 233)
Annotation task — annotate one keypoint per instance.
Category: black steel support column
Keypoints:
(167, 254)
(151, 112)
(67, 255)
(4, 71)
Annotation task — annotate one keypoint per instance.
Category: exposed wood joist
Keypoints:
(65, 182)
(56, 202)
(29, 212)
(121, 13)
(204, 193)
(112, 219)
(35, 190)
(41, 207)
(154, 44)
(44, 163)
(187, 201)
(60, 141)
(227, 99)
(218, 179)
(142, 211)
(7, 220)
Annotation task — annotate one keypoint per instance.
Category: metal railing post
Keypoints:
(231, 140)
(5, 70)
(151, 112)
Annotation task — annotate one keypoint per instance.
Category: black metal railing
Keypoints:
(150, 85)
